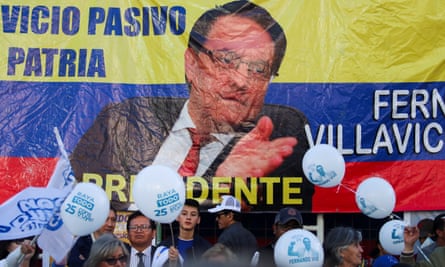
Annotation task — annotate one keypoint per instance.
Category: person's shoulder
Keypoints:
(143, 108)
(439, 251)
(127, 246)
(167, 242)
(385, 260)
(438, 256)
(287, 120)
(430, 248)
(145, 101)
(202, 241)
(86, 239)
(267, 247)
(274, 110)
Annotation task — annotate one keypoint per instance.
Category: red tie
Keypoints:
(191, 161)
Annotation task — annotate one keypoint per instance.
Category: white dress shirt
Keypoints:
(175, 148)
(134, 258)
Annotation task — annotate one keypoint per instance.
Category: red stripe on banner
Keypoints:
(18, 173)
(418, 186)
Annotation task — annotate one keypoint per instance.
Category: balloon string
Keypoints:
(347, 188)
(173, 238)
(419, 248)
(392, 216)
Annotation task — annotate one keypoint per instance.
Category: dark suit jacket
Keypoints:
(80, 251)
(127, 136)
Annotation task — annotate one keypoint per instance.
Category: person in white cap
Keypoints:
(235, 236)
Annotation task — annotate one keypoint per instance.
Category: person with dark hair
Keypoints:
(342, 247)
(234, 235)
(286, 219)
(106, 251)
(188, 245)
(426, 226)
(81, 249)
(141, 231)
(383, 258)
(224, 128)
(438, 236)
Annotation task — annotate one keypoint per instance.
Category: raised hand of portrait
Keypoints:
(255, 154)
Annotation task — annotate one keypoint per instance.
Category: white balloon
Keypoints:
(159, 192)
(299, 248)
(391, 236)
(85, 209)
(375, 197)
(324, 165)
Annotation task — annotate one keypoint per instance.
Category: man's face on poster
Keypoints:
(229, 79)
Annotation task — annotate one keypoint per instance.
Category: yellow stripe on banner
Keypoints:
(366, 41)
(328, 41)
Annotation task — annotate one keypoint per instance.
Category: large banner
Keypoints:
(365, 77)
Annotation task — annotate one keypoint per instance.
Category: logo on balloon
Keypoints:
(391, 236)
(298, 247)
(324, 165)
(159, 192)
(168, 202)
(375, 197)
(85, 209)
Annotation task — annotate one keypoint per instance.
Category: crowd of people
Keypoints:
(235, 246)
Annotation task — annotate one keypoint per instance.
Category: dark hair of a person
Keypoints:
(4, 244)
(192, 203)
(237, 216)
(438, 224)
(137, 214)
(292, 224)
(113, 209)
(245, 9)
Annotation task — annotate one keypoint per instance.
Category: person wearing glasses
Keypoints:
(81, 249)
(107, 251)
(141, 231)
(234, 52)
(234, 235)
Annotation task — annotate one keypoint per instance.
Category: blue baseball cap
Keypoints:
(288, 214)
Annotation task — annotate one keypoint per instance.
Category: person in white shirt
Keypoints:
(141, 231)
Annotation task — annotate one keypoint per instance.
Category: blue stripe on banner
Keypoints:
(366, 121)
